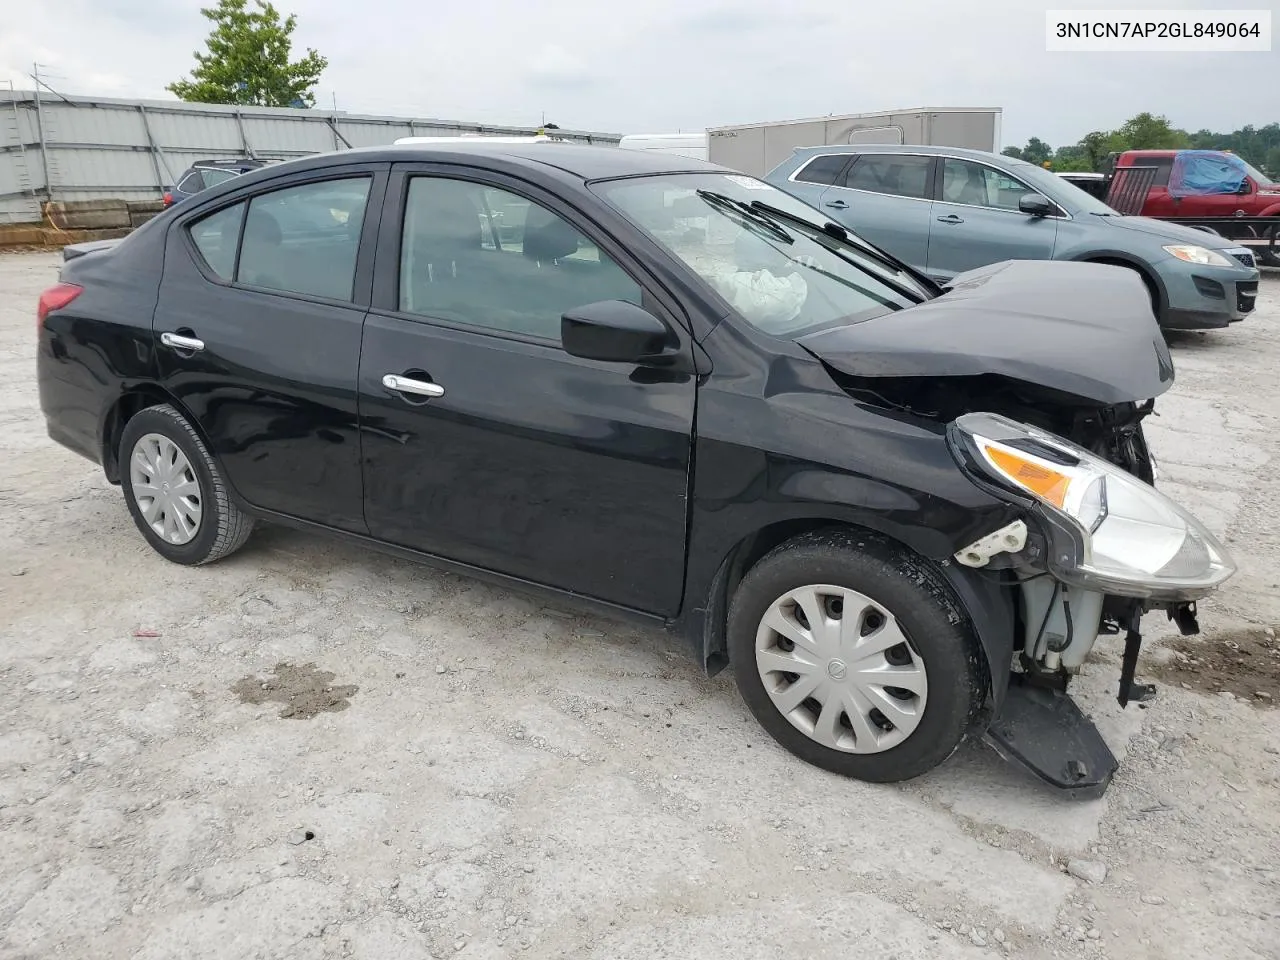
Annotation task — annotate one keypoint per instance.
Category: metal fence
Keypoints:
(55, 147)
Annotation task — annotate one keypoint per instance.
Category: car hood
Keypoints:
(1172, 232)
(1084, 329)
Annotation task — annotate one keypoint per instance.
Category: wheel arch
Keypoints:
(988, 601)
(1159, 296)
(131, 402)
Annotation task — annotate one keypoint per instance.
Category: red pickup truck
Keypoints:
(1210, 189)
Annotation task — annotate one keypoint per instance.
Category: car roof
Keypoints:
(962, 152)
(588, 162)
(243, 162)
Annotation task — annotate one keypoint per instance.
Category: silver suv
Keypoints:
(945, 211)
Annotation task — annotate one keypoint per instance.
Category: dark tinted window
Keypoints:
(191, 183)
(305, 239)
(1164, 167)
(489, 258)
(824, 169)
(899, 176)
(214, 177)
(216, 236)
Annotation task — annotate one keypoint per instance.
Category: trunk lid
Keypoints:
(1083, 329)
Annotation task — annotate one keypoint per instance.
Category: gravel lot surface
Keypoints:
(313, 751)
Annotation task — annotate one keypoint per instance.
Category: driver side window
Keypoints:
(486, 257)
(977, 185)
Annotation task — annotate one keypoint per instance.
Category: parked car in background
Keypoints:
(1208, 189)
(1094, 184)
(945, 211)
(890, 489)
(204, 174)
(692, 145)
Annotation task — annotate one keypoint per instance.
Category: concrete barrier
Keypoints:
(88, 214)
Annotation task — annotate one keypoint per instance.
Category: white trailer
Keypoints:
(756, 148)
(693, 145)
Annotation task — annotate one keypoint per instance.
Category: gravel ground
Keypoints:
(311, 751)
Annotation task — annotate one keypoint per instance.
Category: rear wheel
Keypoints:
(175, 490)
(855, 656)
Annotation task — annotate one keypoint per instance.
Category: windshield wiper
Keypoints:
(840, 233)
(749, 211)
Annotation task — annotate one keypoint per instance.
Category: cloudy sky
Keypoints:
(666, 65)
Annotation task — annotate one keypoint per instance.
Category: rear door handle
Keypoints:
(950, 218)
(179, 342)
(420, 388)
(836, 205)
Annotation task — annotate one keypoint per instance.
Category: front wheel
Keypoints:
(855, 656)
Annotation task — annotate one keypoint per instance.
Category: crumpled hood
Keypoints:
(1171, 232)
(1084, 329)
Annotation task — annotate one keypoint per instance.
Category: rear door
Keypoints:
(812, 178)
(884, 197)
(259, 322)
(504, 452)
(976, 220)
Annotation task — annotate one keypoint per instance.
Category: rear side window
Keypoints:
(216, 237)
(191, 183)
(214, 177)
(825, 169)
(1164, 167)
(305, 239)
(892, 174)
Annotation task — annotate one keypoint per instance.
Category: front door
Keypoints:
(976, 221)
(487, 444)
(258, 329)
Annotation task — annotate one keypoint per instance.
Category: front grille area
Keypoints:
(1246, 259)
(1246, 295)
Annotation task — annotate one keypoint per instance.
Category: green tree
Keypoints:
(247, 60)
(1272, 163)
(1149, 132)
(1037, 151)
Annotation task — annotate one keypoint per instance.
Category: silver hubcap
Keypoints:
(165, 488)
(839, 668)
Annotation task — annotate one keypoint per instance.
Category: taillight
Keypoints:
(55, 298)
(168, 199)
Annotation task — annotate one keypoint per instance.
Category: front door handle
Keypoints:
(421, 388)
(836, 205)
(950, 218)
(179, 342)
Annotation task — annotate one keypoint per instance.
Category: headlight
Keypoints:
(1107, 529)
(1202, 255)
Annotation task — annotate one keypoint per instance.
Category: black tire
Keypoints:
(223, 527)
(1270, 254)
(932, 619)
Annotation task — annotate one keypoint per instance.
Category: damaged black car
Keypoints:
(901, 514)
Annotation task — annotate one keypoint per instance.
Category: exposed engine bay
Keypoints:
(1058, 623)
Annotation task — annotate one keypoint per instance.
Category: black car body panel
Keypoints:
(641, 490)
(1082, 329)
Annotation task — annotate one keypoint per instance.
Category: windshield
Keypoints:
(1062, 192)
(764, 252)
(1256, 175)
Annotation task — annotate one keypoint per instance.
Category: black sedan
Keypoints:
(902, 514)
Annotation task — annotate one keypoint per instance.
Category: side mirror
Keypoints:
(615, 331)
(1245, 187)
(1035, 205)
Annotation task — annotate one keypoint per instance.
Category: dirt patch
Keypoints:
(304, 691)
(1243, 662)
